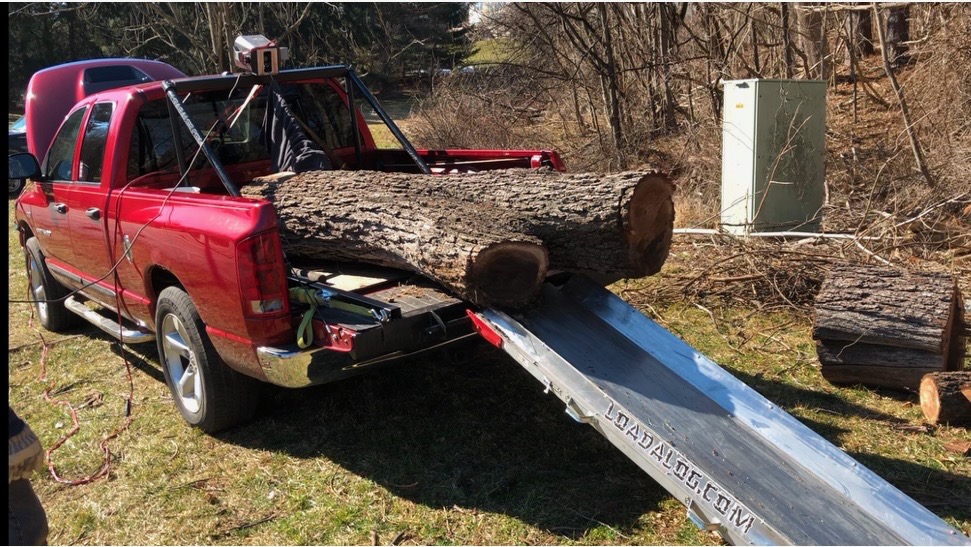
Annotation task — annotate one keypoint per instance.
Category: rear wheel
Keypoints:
(45, 291)
(208, 394)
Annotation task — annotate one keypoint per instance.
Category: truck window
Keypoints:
(151, 148)
(99, 78)
(236, 136)
(93, 143)
(324, 112)
(60, 157)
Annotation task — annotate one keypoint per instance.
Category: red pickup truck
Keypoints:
(133, 221)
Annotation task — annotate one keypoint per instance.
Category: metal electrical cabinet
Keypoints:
(773, 155)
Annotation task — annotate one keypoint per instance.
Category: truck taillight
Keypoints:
(262, 278)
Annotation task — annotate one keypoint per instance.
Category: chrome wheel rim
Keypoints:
(37, 292)
(181, 363)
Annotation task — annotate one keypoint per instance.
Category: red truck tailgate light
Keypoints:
(262, 278)
(484, 329)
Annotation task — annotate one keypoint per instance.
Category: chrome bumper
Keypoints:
(290, 366)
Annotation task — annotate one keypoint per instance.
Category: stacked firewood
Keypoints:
(886, 327)
(490, 237)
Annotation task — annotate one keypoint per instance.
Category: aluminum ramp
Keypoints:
(742, 466)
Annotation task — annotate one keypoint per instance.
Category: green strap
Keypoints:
(305, 333)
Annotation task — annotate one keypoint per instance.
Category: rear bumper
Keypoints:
(290, 366)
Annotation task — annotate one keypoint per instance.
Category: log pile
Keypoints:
(945, 398)
(489, 237)
(884, 327)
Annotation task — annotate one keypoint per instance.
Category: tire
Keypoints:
(208, 394)
(46, 292)
(16, 186)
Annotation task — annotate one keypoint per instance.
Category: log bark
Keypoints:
(882, 327)
(608, 227)
(860, 33)
(945, 397)
(885, 306)
(467, 248)
(840, 352)
(901, 378)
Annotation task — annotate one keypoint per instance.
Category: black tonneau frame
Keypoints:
(174, 88)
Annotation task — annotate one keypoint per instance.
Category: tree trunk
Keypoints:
(611, 89)
(786, 40)
(860, 33)
(945, 397)
(608, 227)
(898, 32)
(813, 42)
(667, 42)
(468, 248)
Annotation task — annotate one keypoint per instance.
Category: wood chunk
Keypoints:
(883, 327)
(886, 306)
(943, 399)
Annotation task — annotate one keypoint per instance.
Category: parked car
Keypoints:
(61, 87)
(17, 143)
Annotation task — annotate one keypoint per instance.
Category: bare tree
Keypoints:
(904, 110)
(898, 34)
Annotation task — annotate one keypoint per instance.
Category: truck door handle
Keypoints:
(60, 208)
(93, 213)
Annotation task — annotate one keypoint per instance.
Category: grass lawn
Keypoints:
(467, 451)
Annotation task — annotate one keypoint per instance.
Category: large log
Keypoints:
(945, 397)
(887, 306)
(466, 248)
(607, 226)
(874, 365)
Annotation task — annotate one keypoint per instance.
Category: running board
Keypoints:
(119, 332)
(742, 466)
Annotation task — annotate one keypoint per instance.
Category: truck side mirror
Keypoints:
(23, 166)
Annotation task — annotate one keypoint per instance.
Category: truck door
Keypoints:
(86, 202)
(51, 223)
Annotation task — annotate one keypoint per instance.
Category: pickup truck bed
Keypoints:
(375, 316)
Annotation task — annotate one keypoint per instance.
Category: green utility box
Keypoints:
(773, 155)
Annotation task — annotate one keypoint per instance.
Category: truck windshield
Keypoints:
(233, 126)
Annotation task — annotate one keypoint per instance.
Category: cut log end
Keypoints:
(650, 223)
(930, 403)
(509, 273)
(943, 398)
